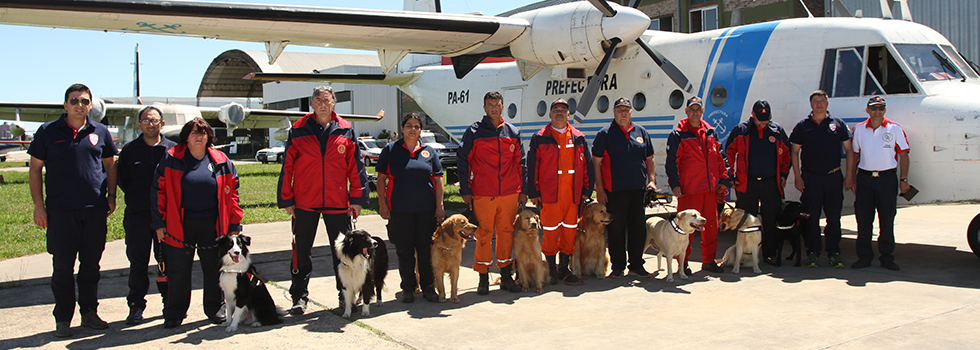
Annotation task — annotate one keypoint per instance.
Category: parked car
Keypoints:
(370, 149)
(445, 147)
(271, 154)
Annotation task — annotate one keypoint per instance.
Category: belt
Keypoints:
(834, 170)
(762, 178)
(877, 173)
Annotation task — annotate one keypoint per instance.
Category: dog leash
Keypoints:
(673, 216)
(167, 233)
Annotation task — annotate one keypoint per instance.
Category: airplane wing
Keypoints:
(398, 32)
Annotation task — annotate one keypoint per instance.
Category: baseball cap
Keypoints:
(559, 101)
(694, 100)
(877, 100)
(622, 101)
(761, 110)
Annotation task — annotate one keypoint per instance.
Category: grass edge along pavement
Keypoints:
(257, 197)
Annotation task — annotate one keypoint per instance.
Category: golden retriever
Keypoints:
(747, 241)
(447, 253)
(531, 268)
(671, 238)
(590, 256)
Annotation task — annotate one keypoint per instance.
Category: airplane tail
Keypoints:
(136, 77)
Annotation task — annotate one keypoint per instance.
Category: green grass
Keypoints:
(257, 196)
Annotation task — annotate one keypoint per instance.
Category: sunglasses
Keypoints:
(151, 121)
(75, 100)
(876, 108)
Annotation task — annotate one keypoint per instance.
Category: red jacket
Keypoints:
(695, 161)
(165, 208)
(322, 172)
(737, 149)
(490, 160)
(542, 167)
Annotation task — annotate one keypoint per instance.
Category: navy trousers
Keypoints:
(179, 266)
(765, 193)
(140, 242)
(823, 192)
(881, 194)
(412, 235)
(75, 233)
(304, 233)
(627, 232)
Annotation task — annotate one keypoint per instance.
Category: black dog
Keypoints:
(789, 226)
(363, 268)
(246, 297)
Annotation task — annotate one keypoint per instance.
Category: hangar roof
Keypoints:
(223, 78)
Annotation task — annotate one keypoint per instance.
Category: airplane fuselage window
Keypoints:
(676, 99)
(867, 71)
(542, 108)
(719, 95)
(602, 105)
(572, 104)
(928, 62)
(639, 101)
(512, 111)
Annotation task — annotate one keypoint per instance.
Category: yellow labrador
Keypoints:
(670, 238)
(747, 243)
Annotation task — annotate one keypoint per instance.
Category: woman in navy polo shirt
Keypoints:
(410, 198)
(194, 200)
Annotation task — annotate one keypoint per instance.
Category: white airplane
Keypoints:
(593, 52)
(124, 116)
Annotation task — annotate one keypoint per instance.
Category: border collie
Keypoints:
(243, 288)
(363, 267)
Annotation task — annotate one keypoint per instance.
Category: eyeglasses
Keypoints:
(75, 100)
(876, 108)
(413, 126)
(151, 121)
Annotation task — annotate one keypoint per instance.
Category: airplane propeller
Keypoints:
(592, 89)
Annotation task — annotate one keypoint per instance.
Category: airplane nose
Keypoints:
(628, 24)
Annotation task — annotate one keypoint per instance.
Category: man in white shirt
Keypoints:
(880, 151)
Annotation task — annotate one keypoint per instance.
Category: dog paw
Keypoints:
(670, 278)
(757, 270)
(256, 324)
(455, 300)
(735, 270)
(683, 276)
(539, 290)
(346, 314)
(378, 303)
(231, 329)
(365, 312)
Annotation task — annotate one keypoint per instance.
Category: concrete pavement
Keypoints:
(933, 302)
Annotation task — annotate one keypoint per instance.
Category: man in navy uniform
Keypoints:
(79, 156)
(134, 170)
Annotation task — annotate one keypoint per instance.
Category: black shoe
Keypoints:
(299, 307)
(62, 329)
(572, 280)
(891, 265)
(507, 280)
(484, 287)
(408, 297)
(431, 296)
(216, 319)
(616, 274)
(687, 270)
(552, 270)
(639, 271)
(169, 324)
(711, 267)
(135, 315)
(860, 264)
(91, 320)
(772, 261)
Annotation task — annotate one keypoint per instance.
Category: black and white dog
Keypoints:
(790, 226)
(363, 267)
(244, 291)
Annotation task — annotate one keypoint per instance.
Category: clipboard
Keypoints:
(910, 193)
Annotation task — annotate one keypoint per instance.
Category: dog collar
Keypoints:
(751, 229)
(446, 249)
(232, 271)
(673, 223)
(786, 227)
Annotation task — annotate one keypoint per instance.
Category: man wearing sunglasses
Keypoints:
(72, 203)
(134, 171)
(881, 150)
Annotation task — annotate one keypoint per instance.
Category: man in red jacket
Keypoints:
(758, 151)
(491, 168)
(559, 177)
(697, 170)
(322, 175)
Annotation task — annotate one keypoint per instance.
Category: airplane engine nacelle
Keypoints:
(572, 34)
(231, 114)
(17, 129)
(281, 135)
(98, 110)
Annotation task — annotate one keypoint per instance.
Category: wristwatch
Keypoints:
(905, 180)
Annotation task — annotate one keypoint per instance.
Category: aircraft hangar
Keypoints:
(223, 78)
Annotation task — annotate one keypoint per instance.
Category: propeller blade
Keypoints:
(634, 3)
(603, 7)
(672, 71)
(588, 97)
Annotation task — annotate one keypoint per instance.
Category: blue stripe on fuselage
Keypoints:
(734, 71)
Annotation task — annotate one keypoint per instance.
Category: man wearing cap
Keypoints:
(758, 151)
(698, 173)
(624, 169)
(817, 141)
(491, 168)
(880, 148)
(559, 177)
(72, 201)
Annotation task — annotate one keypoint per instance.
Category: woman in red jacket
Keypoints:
(196, 202)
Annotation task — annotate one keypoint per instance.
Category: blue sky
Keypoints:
(40, 63)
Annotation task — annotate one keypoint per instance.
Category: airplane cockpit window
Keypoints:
(884, 75)
(928, 62)
(863, 71)
(847, 77)
(960, 62)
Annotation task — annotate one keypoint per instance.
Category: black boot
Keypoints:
(567, 276)
(507, 281)
(484, 287)
(552, 270)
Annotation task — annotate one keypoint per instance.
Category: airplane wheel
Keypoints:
(973, 235)
(3, 159)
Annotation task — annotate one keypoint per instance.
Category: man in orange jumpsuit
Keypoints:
(558, 179)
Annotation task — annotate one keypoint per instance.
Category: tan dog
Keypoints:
(590, 245)
(531, 268)
(447, 253)
(747, 242)
(670, 238)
